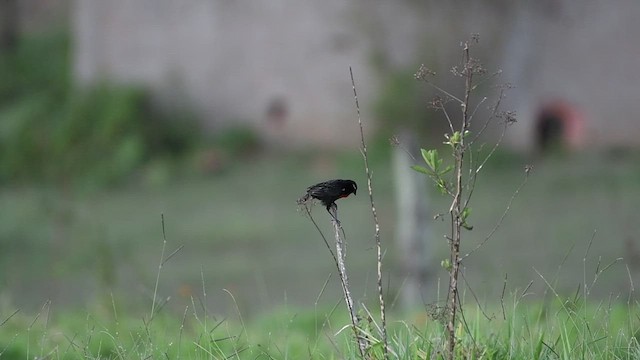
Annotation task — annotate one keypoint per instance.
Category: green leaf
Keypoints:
(421, 169)
(455, 138)
(465, 213)
(446, 264)
(446, 170)
(442, 185)
(432, 159)
(426, 156)
(538, 350)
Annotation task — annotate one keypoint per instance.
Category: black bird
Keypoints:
(330, 191)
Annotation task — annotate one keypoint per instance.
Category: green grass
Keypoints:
(238, 228)
(524, 331)
(240, 231)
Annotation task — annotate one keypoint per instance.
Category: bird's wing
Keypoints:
(327, 189)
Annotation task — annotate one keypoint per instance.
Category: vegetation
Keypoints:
(557, 329)
(95, 251)
(54, 131)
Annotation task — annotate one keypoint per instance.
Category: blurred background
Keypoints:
(218, 115)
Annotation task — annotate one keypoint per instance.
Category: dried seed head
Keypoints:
(436, 103)
(509, 117)
(423, 73)
(506, 86)
(475, 66)
(437, 312)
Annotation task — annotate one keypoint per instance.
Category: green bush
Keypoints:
(38, 65)
(99, 135)
(53, 132)
(237, 141)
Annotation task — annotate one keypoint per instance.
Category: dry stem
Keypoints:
(344, 280)
(383, 319)
(339, 260)
(456, 207)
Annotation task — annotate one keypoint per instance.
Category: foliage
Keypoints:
(53, 131)
(40, 65)
(460, 184)
(400, 102)
(237, 141)
(401, 105)
(522, 330)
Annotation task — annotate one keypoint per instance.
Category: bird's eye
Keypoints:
(344, 189)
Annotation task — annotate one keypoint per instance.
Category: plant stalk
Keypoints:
(344, 281)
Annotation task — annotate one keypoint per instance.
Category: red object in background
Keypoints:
(560, 123)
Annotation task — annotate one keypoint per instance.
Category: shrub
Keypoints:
(51, 131)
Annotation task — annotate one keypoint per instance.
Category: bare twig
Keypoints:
(335, 260)
(494, 113)
(499, 223)
(445, 92)
(446, 115)
(339, 261)
(344, 280)
(474, 170)
(493, 150)
(474, 296)
(456, 208)
(375, 220)
(477, 107)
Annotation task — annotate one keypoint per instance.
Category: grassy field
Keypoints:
(247, 255)
(559, 329)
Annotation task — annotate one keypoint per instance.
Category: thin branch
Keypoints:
(344, 280)
(455, 210)
(476, 108)
(486, 79)
(474, 296)
(494, 113)
(473, 170)
(339, 261)
(335, 260)
(495, 146)
(464, 321)
(375, 220)
(504, 215)
(446, 115)
(444, 91)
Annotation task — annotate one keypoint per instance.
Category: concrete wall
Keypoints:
(232, 59)
(583, 52)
